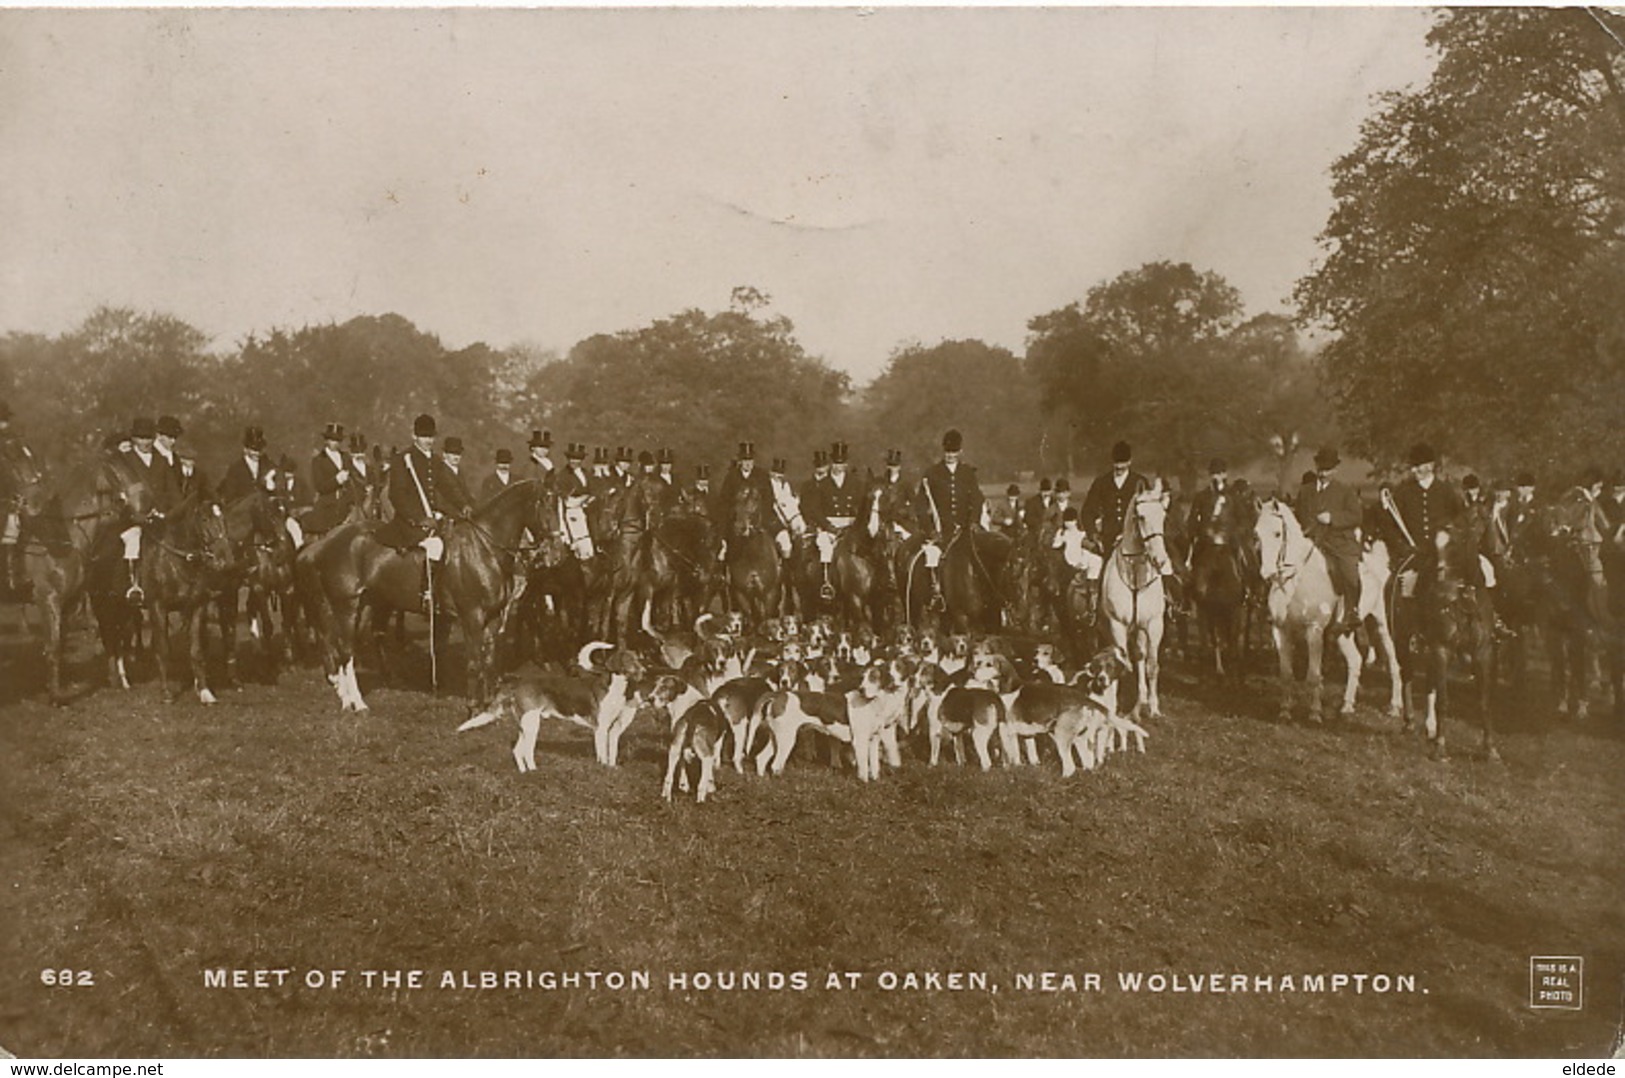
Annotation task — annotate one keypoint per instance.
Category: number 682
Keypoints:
(67, 978)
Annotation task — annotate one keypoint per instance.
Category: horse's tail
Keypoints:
(484, 718)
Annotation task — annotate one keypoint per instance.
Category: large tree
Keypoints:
(1160, 356)
(1476, 255)
(979, 389)
(696, 383)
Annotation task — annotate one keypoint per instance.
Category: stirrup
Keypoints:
(936, 604)
(826, 592)
(135, 595)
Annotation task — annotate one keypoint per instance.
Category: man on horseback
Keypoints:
(498, 480)
(838, 499)
(331, 478)
(160, 479)
(1330, 511)
(540, 447)
(786, 507)
(247, 473)
(745, 473)
(1007, 517)
(574, 488)
(1035, 514)
(454, 496)
(949, 505)
(1106, 506)
(1420, 509)
(15, 458)
(415, 497)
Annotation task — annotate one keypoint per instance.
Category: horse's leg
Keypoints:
(160, 646)
(1438, 672)
(196, 621)
(55, 630)
(1354, 662)
(1283, 654)
(1483, 664)
(225, 606)
(1315, 642)
(1390, 658)
(1152, 656)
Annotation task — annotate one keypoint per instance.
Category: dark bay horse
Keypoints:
(858, 569)
(347, 572)
(1222, 567)
(183, 566)
(1574, 596)
(263, 556)
(752, 563)
(550, 618)
(973, 565)
(67, 527)
(1448, 627)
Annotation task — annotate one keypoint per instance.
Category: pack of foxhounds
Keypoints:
(722, 688)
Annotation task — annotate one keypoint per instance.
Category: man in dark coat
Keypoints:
(950, 499)
(1035, 515)
(1426, 505)
(453, 490)
(1207, 508)
(498, 481)
(839, 496)
(412, 491)
(161, 482)
(745, 473)
(1330, 513)
(896, 497)
(247, 473)
(331, 479)
(1109, 497)
(575, 489)
(540, 447)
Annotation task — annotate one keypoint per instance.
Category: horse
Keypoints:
(1575, 596)
(551, 615)
(1131, 594)
(972, 569)
(256, 525)
(1220, 577)
(1450, 620)
(1301, 599)
(183, 565)
(752, 563)
(347, 571)
(857, 569)
(66, 528)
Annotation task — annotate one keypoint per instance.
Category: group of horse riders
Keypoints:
(423, 485)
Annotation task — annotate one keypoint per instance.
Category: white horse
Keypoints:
(1302, 600)
(1131, 593)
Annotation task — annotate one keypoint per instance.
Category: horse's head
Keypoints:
(119, 482)
(1144, 528)
(747, 505)
(26, 481)
(1275, 528)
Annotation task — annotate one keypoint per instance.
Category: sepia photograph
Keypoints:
(833, 532)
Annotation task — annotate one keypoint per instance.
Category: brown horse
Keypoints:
(264, 552)
(347, 572)
(973, 587)
(857, 569)
(752, 560)
(1574, 596)
(1221, 570)
(67, 527)
(183, 566)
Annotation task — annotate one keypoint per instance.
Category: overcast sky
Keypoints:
(539, 176)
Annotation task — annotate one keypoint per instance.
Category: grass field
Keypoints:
(148, 844)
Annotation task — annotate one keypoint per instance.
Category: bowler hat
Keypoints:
(1012, 490)
(423, 426)
(504, 456)
(1063, 485)
(1122, 453)
(333, 432)
(143, 427)
(540, 439)
(1470, 481)
(1044, 484)
(1217, 465)
(170, 427)
(254, 438)
(646, 458)
(953, 442)
(1422, 453)
(1327, 459)
(452, 446)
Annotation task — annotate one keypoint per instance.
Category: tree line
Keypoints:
(1468, 296)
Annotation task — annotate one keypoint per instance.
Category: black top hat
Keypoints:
(504, 456)
(779, 466)
(1012, 490)
(600, 454)
(1327, 459)
(702, 471)
(646, 459)
(423, 426)
(170, 427)
(143, 427)
(358, 442)
(1525, 479)
(453, 446)
(1063, 485)
(820, 458)
(254, 438)
(1217, 465)
(747, 451)
(623, 454)
(578, 451)
(540, 439)
(953, 442)
(665, 456)
(894, 458)
(838, 453)
(1122, 453)
(1422, 453)
(333, 432)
